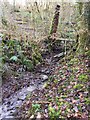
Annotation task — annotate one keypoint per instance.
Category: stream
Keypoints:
(33, 81)
(8, 108)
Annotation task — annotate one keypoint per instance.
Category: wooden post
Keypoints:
(65, 48)
(55, 20)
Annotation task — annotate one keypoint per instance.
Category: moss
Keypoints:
(28, 64)
(78, 86)
(83, 77)
(87, 101)
(88, 53)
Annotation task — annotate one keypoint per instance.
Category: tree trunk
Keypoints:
(84, 32)
(55, 20)
(87, 22)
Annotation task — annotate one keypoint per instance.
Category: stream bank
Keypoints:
(16, 89)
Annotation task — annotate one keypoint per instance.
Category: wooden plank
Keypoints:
(65, 39)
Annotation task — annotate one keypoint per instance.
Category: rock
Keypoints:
(38, 116)
(44, 77)
(75, 109)
(4, 114)
(43, 71)
(11, 107)
(48, 72)
(59, 55)
(15, 113)
(9, 117)
(18, 103)
(22, 97)
(86, 94)
(32, 117)
(31, 88)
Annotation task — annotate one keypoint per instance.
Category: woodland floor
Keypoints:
(52, 90)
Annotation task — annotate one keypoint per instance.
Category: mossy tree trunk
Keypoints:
(55, 20)
(87, 23)
(80, 6)
(84, 32)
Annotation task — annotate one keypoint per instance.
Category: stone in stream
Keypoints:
(25, 91)
(44, 77)
(48, 71)
(31, 88)
(4, 115)
(59, 55)
(18, 103)
(16, 100)
(22, 97)
(45, 71)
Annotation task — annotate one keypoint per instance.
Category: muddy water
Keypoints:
(9, 108)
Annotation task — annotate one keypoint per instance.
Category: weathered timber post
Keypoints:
(65, 47)
(55, 20)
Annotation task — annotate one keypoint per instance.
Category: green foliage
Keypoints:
(88, 53)
(87, 101)
(14, 58)
(73, 61)
(27, 54)
(53, 114)
(36, 107)
(80, 7)
(28, 96)
(36, 57)
(78, 86)
(51, 78)
(55, 81)
(83, 77)
(1, 35)
(28, 64)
